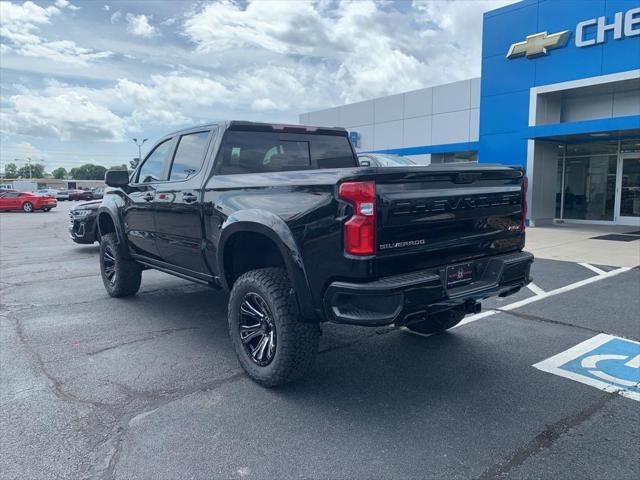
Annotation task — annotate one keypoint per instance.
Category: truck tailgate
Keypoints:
(442, 214)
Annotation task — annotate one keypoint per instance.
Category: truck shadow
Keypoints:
(382, 362)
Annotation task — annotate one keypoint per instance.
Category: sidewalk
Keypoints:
(574, 243)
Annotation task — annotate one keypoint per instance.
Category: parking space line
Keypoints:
(535, 289)
(592, 268)
(542, 296)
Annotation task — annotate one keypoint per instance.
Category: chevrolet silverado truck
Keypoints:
(283, 218)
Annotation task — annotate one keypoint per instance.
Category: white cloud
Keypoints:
(66, 4)
(166, 99)
(156, 116)
(273, 25)
(20, 151)
(68, 116)
(20, 30)
(139, 25)
(22, 20)
(256, 60)
(64, 51)
(362, 49)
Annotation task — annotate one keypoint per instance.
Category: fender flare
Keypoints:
(111, 209)
(274, 228)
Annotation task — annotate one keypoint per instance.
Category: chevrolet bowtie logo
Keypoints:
(538, 44)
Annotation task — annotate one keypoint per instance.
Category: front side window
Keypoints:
(189, 155)
(153, 167)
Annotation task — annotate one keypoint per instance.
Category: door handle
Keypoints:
(148, 196)
(189, 197)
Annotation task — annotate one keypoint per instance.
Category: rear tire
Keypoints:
(438, 322)
(279, 348)
(121, 277)
(27, 207)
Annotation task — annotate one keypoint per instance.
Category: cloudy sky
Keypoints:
(80, 79)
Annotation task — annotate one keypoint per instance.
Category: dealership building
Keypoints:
(559, 95)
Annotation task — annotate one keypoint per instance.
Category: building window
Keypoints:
(454, 157)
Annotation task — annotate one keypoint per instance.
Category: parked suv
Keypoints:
(285, 219)
(83, 227)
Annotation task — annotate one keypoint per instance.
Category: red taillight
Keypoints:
(525, 187)
(360, 229)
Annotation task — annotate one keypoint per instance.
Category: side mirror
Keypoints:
(365, 163)
(116, 178)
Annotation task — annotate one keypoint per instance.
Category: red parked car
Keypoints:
(27, 201)
(80, 195)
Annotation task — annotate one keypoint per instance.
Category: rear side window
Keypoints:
(257, 152)
(189, 155)
(153, 167)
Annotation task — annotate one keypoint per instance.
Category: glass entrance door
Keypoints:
(628, 189)
(589, 188)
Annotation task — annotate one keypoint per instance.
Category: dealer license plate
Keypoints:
(458, 275)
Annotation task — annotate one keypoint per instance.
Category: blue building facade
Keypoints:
(559, 95)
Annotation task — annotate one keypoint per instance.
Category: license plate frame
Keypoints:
(459, 275)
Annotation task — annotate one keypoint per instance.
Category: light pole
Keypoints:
(140, 146)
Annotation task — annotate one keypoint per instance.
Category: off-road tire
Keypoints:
(27, 207)
(438, 322)
(296, 341)
(128, 273)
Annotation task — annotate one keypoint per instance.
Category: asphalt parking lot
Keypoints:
(149, 387)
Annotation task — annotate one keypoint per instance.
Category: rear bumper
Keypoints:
(394, 299)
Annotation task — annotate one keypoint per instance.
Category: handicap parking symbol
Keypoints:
(606, 362)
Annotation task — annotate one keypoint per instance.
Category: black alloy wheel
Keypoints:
(257, 329)
(109, 264)
(273, 344)
(121, 276)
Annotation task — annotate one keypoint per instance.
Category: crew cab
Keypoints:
(285, 219)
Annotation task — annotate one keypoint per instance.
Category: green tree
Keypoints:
(37, 171)
(88, 171)
(10, 170)
(59, 173)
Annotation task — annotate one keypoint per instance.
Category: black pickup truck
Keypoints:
(283, 217)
